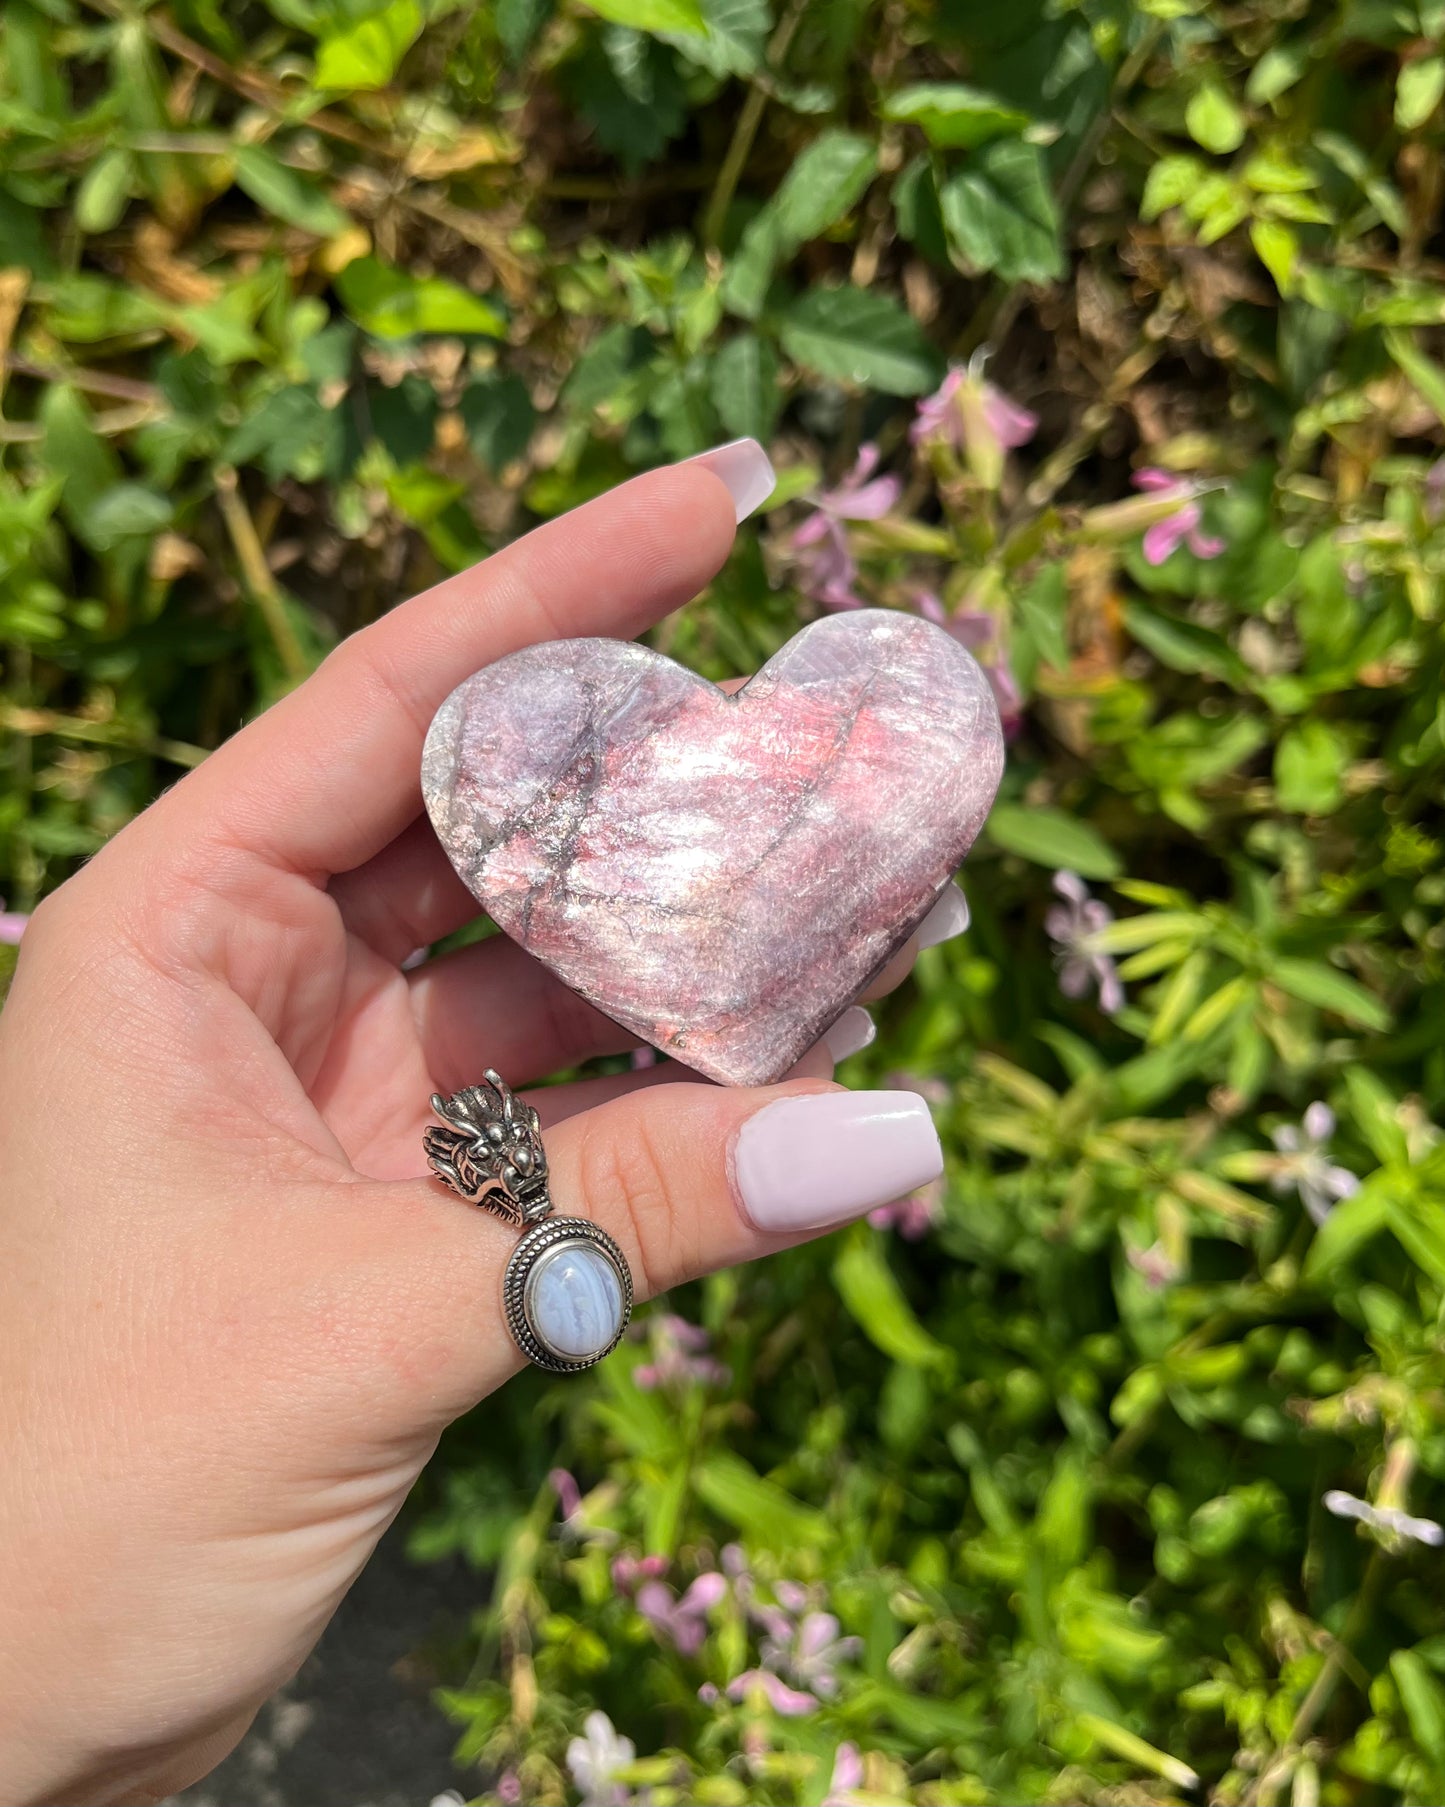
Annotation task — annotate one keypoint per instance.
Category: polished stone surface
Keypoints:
(573, 1300)
(720, 874)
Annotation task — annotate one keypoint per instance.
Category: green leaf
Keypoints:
(822, 185)
(684, 16)
(744, 384)
(665, 1504)
(1423, 372)
(1213, 121)
(519, 22)
(1418, 90)
(1277, 70)
(819, 189)
(1134, 1750)
(1184, 645)
(128, 511)
(918, 211)
(1050, 838)
(1313, 983)
(394, 305)
(1353, 1222)
(1416, 1227)
(102, 196)
(768, 1514)
(859, 336)
(629, 86)
(1277, 248)
(1132, 932)
(1218, 1009)
(366, 55)
(953, 116)
(74, 449)
(1000, 214)
(289, 434)
(499, 417)
(1376, 1113)
(285, 193)
(735, 40)
(84, 309)
(1423, 1701)
(1171, 182)
(1309, 768)
(869, 1288)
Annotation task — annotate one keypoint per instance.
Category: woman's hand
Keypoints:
(236, 1316)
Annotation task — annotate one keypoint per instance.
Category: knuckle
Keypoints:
(365, 662)
(47, 926)
(627, 1183)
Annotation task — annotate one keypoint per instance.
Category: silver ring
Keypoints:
(567, 1291)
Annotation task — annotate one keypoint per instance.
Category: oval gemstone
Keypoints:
(573, 1300)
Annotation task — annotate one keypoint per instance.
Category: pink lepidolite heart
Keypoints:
(720, 874)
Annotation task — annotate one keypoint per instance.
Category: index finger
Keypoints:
(331, 774)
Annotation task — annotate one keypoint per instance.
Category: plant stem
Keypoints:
(1323, 1687)
(745, 131)
(28, 723)
(256, 574)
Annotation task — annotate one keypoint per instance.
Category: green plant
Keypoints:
(308, 303)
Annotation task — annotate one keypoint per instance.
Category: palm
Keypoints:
(372, 1084)
(352, 1046)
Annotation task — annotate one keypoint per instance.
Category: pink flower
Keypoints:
(828, 571)
(914, 1216)
(1155, 1265)
(680, 1357)
(1071, 924)
(792, 1703)
(811, 1653)
(1180, 528)
(847, 1775)
(1435, 491)
(683, 1623)
(943, 416)
(932, 1091)
(12, 925)
(628, 1571)
(978, 631)
(569, 1495)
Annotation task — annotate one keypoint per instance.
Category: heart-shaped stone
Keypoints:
(722, 875)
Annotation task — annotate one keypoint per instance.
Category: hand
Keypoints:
(236, 1316)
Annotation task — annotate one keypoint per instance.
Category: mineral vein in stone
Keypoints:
(720, 874)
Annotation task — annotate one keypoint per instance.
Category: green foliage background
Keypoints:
(305, 304)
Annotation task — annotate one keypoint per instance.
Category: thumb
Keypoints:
(685, 1178)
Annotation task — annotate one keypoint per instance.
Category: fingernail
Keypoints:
(851, 1033)
(805, 1163)
(743, 466)
(947, 918)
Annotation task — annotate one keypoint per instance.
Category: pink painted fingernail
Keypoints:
(948, 917)
(851, 1033)
(743, 466)
(807, 1163)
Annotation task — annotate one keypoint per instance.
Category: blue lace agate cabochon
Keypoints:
(573, 1300)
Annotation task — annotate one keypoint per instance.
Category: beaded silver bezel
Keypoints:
(550, 1234)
